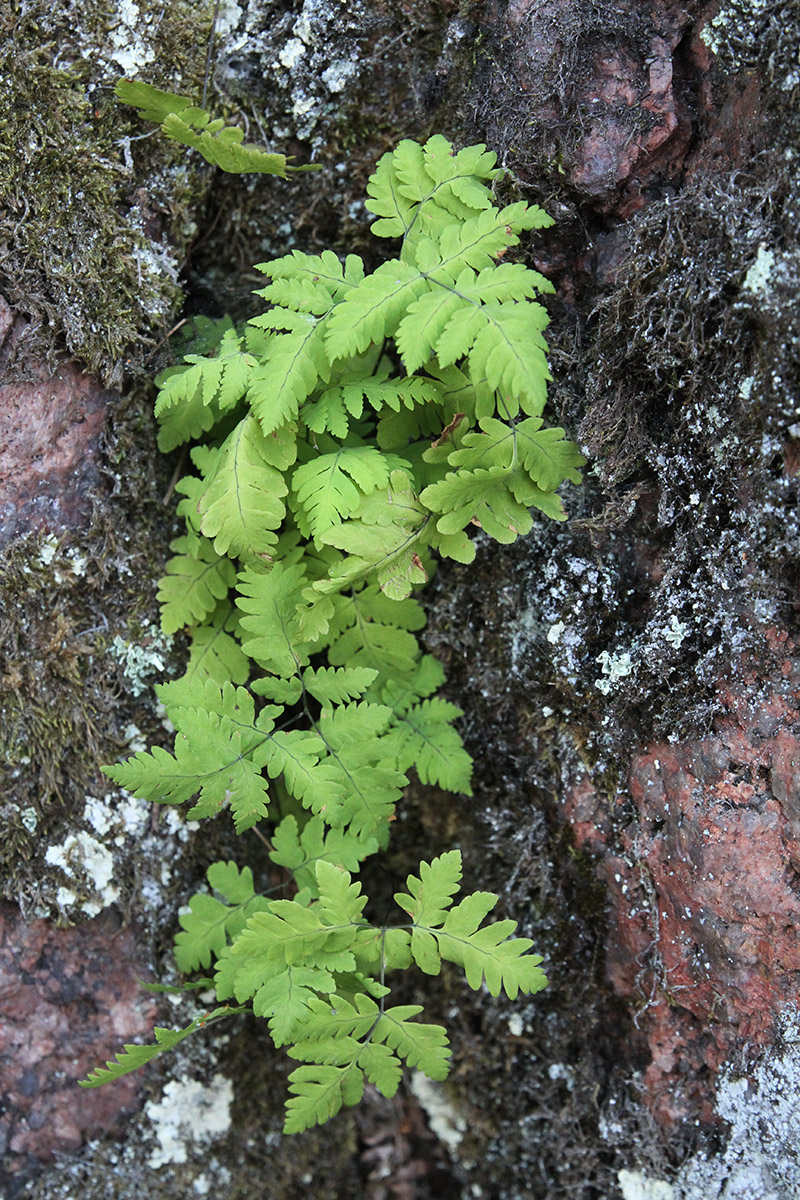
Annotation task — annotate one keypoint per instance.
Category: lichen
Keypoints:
(188, 1116)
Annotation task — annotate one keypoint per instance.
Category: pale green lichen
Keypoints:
(189, 1113)
(142, 660)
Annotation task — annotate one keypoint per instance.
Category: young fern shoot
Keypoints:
(364, 424)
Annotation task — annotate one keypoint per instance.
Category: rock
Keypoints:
(703, 884)
(53, 982)
(51, 426)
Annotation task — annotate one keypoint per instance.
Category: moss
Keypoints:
(91, 243)
(64, 701)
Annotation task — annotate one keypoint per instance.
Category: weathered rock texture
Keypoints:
(629, 681)
(53, 983)
(51, 426)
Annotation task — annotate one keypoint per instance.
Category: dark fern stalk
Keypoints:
(325, 484)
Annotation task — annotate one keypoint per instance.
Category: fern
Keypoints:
(360, 427)
(220, 144)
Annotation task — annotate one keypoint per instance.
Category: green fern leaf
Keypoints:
(319, 1093)
(225, 147)
(337, 685)
(422, 1046)
(293, 365)
(331, 486)
(544, 453)
(377, 633)
(151, 102)
(270, 633)
(209, 759)
(285, 998)
(299, 850)
(215, 653)
(332, 412)
(241, 506)
(340, 901)
(484, 497)
(424, 738)
(310, 282)
(296, 755)
(195, 581)
(487, 954)
(133, 1057)
(490, 954)
(430, 895)
(372, 310)
(210, 924)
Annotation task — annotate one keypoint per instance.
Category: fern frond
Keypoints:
(544, 453)
(330, 487)
(292, 366)
(318, 1093)
(423, 1046)
(487, 954)
(299, 849)
(214, 652)
(372, 310)
(377, 638)
(132, 1057)
(270, 633)
(484, 497)
(424, 738)
(210, 925)
(241, 504)
(300, 758)
(337, 685)
(195, 581)
(310, 282)
(210, 758)
(223, 379)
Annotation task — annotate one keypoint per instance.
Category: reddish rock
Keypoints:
(50, 427)
(69, 999)
(637, 128)
(704, 885)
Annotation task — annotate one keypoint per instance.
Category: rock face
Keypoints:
(53, 983)
(51, 427)
(630, 680)
(703, 884)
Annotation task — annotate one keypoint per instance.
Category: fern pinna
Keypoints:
(364, 423)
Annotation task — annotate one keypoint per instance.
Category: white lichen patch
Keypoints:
(229, 15)
(734, 17)
(142, 660)
(91, 865)
(48, 550)
(189, 1112)
(614, 668)
(119, 815)
(760, 1161)
(446, 1122)
(67, 565)
(635, 1186)
(291, 52)
(338, 74)
(128, 48)
(757, 279)
(676, 632)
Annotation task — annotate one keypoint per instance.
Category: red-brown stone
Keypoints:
(50, 428)
(55, 984)
(704, 884)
